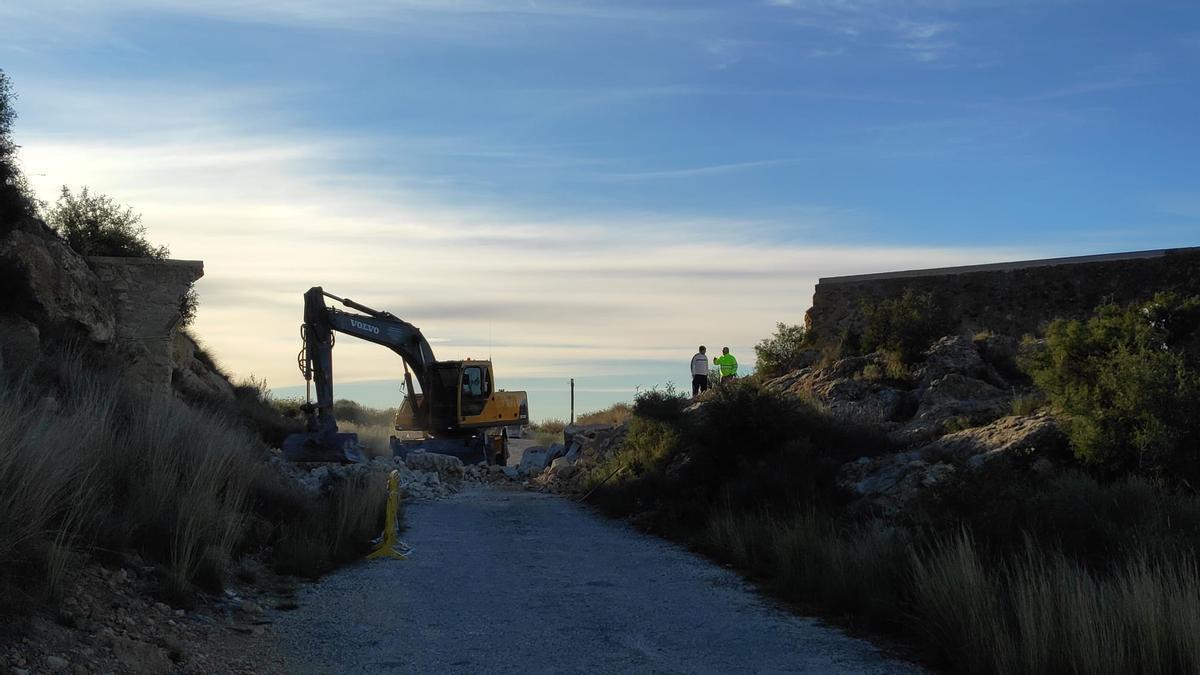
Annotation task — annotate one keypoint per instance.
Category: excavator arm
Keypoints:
(323, 442)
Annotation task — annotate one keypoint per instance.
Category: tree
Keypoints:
(14, 192)
(786, 350)
(94, 224)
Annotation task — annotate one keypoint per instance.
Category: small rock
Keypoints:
(57, 662)
(252, 608)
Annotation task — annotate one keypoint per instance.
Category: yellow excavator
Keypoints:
(458, 411)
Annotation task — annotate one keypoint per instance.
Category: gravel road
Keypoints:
(506, 581)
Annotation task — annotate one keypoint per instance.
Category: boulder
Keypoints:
(447, 467)
(534, 461)
(953, 354)
(194, 375)
(887, 483)
(860, 401)
(48, 282)
(949, 402)
(1027, 435)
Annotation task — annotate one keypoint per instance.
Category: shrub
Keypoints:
(253, 407)
(1128, 382)
(94, 224)
(786, 350)
(664, 405)
(905, 326)
(635, 479)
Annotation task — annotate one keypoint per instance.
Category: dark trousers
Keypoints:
(699, 384)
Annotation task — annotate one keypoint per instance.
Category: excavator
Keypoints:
(458, 410)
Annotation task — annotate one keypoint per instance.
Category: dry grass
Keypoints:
(1044, 613)
(336, 529)
(87, 469)
(546, 432)
(618, 413)
(1040, 612)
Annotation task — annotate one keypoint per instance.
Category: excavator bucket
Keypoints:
(319, 446)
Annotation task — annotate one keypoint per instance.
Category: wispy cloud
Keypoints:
(695, 171)
(477, 22)
(913, 28)
(274, 214)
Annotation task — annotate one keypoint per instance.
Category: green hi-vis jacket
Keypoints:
(727, 363)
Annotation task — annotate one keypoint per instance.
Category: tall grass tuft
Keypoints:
(87, 468)
(1037, 612)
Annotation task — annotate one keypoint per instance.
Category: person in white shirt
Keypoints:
(699, 372)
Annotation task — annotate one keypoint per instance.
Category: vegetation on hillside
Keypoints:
(1128, 382)
(95, 224)
(89, 470)
(784, 351)
(15, 202)
(903, 326)
(1090, 568)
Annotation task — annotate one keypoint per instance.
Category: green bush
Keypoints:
(94, 224)
(635, 479)
(904, 326)
(1128, 382)
(664, 405)
(746, 447)
(784, 351)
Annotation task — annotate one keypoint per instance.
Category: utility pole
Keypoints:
(572, 400)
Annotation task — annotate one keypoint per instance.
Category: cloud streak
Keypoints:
(547, 295)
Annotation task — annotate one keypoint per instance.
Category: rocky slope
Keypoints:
(952, 412)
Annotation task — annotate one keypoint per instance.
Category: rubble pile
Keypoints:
(584, 447)
(423, 475)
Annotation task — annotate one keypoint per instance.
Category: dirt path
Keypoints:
(505, 581)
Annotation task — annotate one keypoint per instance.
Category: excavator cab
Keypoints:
(466, 414)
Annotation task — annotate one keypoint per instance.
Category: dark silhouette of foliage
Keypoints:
(1128, 382)
(784, 351)
(94, 224)
(15, 202)
(904, 326)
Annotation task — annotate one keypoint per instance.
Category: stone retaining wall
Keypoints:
(146, 294)
(1010, 298)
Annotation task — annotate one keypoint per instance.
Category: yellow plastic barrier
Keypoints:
(388, 541)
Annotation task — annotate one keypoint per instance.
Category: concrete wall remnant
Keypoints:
(146, 295)
(1014, 298)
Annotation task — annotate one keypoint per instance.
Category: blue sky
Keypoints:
(590, 188)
